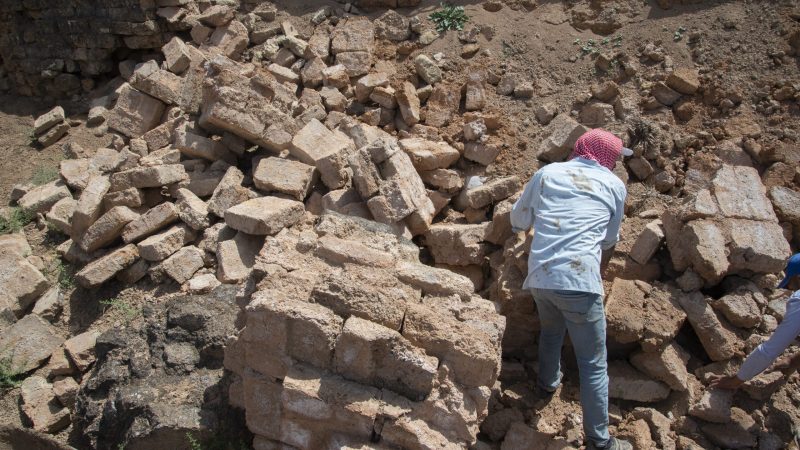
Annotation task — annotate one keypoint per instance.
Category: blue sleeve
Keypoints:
(760, 358)
(523, 211)
(614, 224)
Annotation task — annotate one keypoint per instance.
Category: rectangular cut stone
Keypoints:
(328, 151)
(236, 257)
(60, 215)
(353, 35)
(48, 120)
(145, 177)
(150, 222)
(429, 155)
(366, 177)
(758, 247)
(181, 265)
(648, 242)
(458, 245)
(741, 195)
(103, 269)
(107, 228)
(159, 83)
(131, 197)
(159, 246)
(264, 215)
(135, 112)
(196, 146)
(285, 176)
(228, 193)
(433, 281)
(371, 353)
(192, 210)
(562, 133)
(29, 342)
(40, 199)
(488, 193)
(20, 281)
(719, 341)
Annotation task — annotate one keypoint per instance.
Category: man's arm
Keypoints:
(760, 358)
(614, 224)
(523, 210)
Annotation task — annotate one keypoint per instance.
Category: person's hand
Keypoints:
(788, 365)
(718, 381)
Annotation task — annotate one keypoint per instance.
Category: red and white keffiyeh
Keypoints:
(598, 145)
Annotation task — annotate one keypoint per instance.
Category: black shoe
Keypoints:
(542, 393)
(612, 444)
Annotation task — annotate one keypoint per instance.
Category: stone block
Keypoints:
(28, 343)
(15, 242)
(229, 40)
(757, 247)
(60, 215)
(481, 153)
(409, 103)
(192, 210)
(264, 215)
(158, 83)
(182, 265)
(626, 383)
(340, 251)
(146, 177)
(77, 172)
(131, 197)
(433, 281)
(66, 390)
(150, 222)
(427, 69)
(285, 176)
(648, 242)
(740, 307)
(429, 155)
(458, 245)
(228, 193)
(107, 228)
(52, 135)
(40, 199)
(705, 246)
(480, 195)
(684, 80)
(740, 194)
(103, 269)
(327, 150)
(47, 120)
(236, 257)
(135, 112)
(80, 349)
(562, 133)
(370, 353)
(20, 281)
(195, 146)
(159, 246)
(667, 365)
(50, 304)
(356, 34)
(639, 312)
(41, 406)
(719, 341)
(713, 406)
(176, 55)
(367, 83)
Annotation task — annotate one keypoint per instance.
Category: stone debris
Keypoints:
(290, 158)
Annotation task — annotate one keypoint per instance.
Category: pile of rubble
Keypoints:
(288, 161)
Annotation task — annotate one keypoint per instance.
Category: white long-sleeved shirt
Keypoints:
(789, 328)
(575, 208)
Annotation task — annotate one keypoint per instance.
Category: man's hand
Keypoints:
(788, 365)
(605, 258)
(718, 381)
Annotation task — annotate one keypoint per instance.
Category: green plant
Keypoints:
(16, 220)
(63, 271)
(10, 377)
(194, 444)
(121, 307)
(44, 175)
(449, 18)
(678, 35)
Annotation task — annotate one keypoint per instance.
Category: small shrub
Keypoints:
(449, 18)
(64, 275)
(16, 221)
(44, 175)
(121, 307)
(10, 377)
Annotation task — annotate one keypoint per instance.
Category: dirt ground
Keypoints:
(735, 45)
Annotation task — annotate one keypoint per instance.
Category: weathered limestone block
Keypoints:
(236, 257)
(483, 194)
(135, 112)
(429, 155)
(458, 245)
(156, 82)
(107, 228)
(639, 312)
(80, 349)
(315, 144)
(29, 342)
(41, 406)
(626, 383)
(229, 40)
(409, 103)
(264, 215)
(176, 55)
(433, 281)
(285, 176)
(40, 199)
(684, 80)
(159, 246)
(740, 194)
(562, 133)
(370, 353)
(47, 120)
(150, 222)
(758, 247)
(228, 193)
(20, 281)
(713, 406)
(719, 341)
(192, 210)
(649, 240)
(195, 146)
(667, 365)
(103, 269)
(146, 177)
(183, 264)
